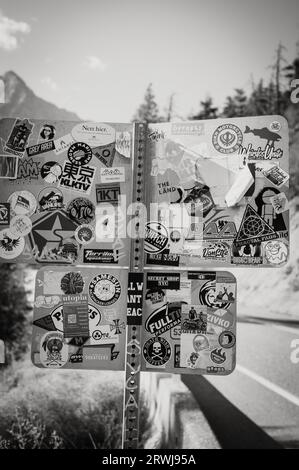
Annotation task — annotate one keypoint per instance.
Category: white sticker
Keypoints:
(10, 245)
(112, 175)
(53, 350)
(123, 143)
(63, 143)
(94, 133)
(20, 225)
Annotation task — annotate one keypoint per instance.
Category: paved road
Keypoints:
(265, 384)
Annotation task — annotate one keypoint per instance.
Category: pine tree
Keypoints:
(207, 110)
(148, 111)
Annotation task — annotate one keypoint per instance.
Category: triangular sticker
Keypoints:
(46, 323)
(253, 229)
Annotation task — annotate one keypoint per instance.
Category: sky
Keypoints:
(96, 57)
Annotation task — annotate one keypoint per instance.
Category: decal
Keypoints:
(47, 132)
(72, 283)
(135, 299)
(190, 128)
(105, 154)
(247, 254)
(77, 178)
(266, 210)
(97, 255)
(155, 238)
(46, 301)
(218, 356)
(220, 229)
(40, 148)
(155, 295)
(79, 153)
(18, 138)
(157, 351)
(280, 203)
(194, 319)
(227, 138)
(8, 167)
(253, 229)
(221, 318)
(277, 176)
(4, 213)
(84, 234)
(216, 251)
(164, 318)
(51, 172)
(63, 143)
(10, 245)
(177, 356)
(276, 252)
(123, 143)
(207, 296)
(29, 170)
(50, 199)
(94, 134)
(194, 350)
(53, 350)
(112, 175)
(163, 280)
(107, 193)
(105, 289)
(20, 225)
(81, 210)
(75, 313)
(225, 291)
(227, 339)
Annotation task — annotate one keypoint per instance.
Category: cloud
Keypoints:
(50, 83)
(10, 30)
(94, 63)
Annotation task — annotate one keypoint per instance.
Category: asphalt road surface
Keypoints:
(262, 394)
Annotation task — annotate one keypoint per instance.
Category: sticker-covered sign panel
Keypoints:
(64, 186)
(189, 322)
(221, 193)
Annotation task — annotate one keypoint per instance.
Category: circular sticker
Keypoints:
(10, 245)
(20, 225)
(97, 335)
(51, 172)
(72, 283)
(53, 350)
(227, 138)
(218, 356)
(156, 237)
(157, 351)
(50, 199)
(227, 339)
(81, 210)
(84, 234)
(22, 203)
(79, 153)
(275, 126)
(105, 289)
(276, 252)
(200, 343)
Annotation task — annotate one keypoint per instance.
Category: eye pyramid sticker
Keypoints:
(253, 229)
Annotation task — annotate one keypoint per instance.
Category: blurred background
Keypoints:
(156, 61)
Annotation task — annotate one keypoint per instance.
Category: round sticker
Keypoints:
(227, 138)
(53, 350)
(275, 126)
(72, 283)
(81, 210)
(10, 245)
(156, 237)
(94, 134)
(227, 339)
(84, 234)
(276, 252)
(105, 289)
(50, 199)
(20, 225)
(157, 351)
(22, 203)
(79, 153)
(51, 172)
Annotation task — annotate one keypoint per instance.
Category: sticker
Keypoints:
(40, 148)
(105, 289)
(155, 238)
(207, 296)
(218, 356)
(51, 172)
(94, 133)
(190, 128)
(177, 356)
(22, 203)
(157, 351)
(97, 255)
(280, 203)
(52, 238)
(276, 252)
(8, 167)
(72, 283)
(253, 229)
(227, 138)
(266, 210)
(275, 126)
(194, 351)
(20, 225)
(50, 199)
(194, 319)
(216, 251)
(135, 299)
(164, 318)
(84, 234)
(77, 178)
(53, 350)
(105, 154)
(75, 315)
(163, 280)
(247, 254)
(276, 176)
(4, 213)
(10, 246)
(81, 210)
(221, 318)
(29, 170)
(123, 143)
(79, 153)
(225, 291)
(47, 133)
(227, 339)
(107, 193)
(103, 335)
(46, 302)
(269, 136)
(19, 136)
(63, 143)
(112, 175)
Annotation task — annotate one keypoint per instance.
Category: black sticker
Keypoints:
(81, 210)
(107, 193)
(96, 255)
(163, 280)
(4, 213)
(253, 229)
(164, 318)
(40, 148)
(105, 289)
(79, 153)
(157, 351)
(72, 283)
(134, 300)
(165, 259)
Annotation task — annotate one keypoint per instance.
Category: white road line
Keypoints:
(271, 386)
